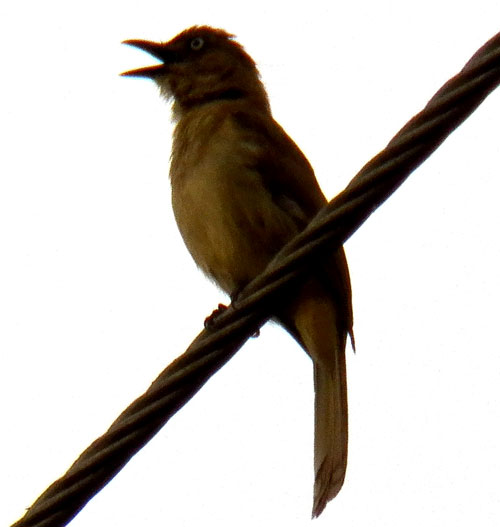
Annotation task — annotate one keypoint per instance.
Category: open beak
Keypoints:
(158, 50)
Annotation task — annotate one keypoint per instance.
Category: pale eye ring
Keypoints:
(197, 43)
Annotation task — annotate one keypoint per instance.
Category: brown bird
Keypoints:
(241, 189)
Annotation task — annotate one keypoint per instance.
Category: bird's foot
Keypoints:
(216, 313)
(210, 320)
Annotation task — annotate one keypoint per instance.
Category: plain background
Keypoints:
(98, 294)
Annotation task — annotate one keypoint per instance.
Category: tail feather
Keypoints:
(321, 323)
(330, 437)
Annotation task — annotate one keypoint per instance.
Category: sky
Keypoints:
(98, 293)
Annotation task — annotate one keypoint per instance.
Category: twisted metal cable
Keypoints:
(334, 224)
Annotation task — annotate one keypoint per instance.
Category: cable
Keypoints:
(334, 224)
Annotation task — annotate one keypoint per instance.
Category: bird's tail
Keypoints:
(320, 322)
(330, 433)
(319, 325)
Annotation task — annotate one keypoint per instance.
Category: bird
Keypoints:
(241, 189)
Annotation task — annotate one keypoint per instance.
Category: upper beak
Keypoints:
(158, 50)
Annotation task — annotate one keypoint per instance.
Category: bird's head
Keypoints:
(201, 65)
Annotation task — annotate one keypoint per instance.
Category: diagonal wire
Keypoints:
(175, 386)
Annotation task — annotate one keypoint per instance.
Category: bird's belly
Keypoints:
(231, 226)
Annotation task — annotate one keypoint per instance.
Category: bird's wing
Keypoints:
(290, 179)
(284, 169)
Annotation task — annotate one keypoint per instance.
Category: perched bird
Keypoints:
(241, 189)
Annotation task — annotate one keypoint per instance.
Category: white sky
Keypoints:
(98, 294)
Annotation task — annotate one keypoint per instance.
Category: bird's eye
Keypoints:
(197, 43)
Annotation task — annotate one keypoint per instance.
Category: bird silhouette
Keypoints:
(241, 189)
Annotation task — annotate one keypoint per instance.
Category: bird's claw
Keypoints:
(210, 320)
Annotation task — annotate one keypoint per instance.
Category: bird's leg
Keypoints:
(210, 320)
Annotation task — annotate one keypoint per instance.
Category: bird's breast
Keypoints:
(227, 217)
